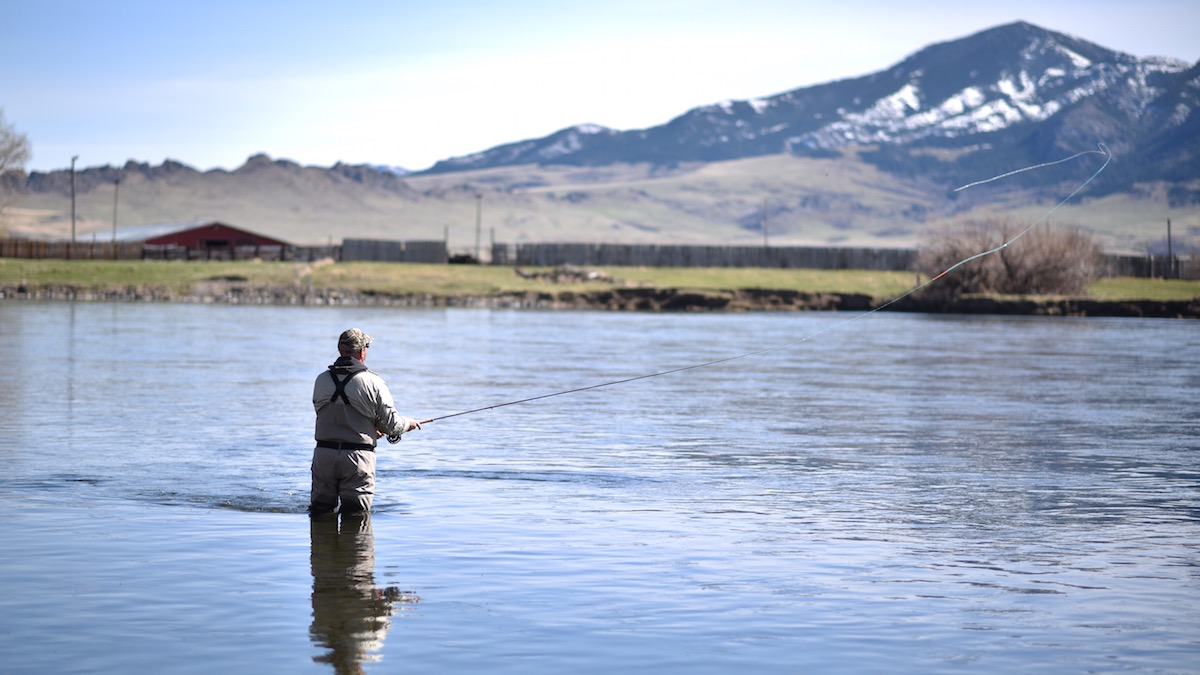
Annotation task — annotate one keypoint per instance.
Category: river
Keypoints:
(886, 493)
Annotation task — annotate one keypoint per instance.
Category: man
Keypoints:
(354, 408)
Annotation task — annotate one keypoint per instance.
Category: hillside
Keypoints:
(842, 201)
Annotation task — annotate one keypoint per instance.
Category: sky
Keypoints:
(406, 84)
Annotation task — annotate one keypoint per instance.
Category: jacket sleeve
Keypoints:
(387, 420)
(322, 391)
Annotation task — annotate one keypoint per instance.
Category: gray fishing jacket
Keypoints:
(366, 409)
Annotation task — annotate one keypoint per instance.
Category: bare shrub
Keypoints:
(1043, 261)
(950, 245)
(14, 152)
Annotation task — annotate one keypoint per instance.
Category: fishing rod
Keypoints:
(1103, 151)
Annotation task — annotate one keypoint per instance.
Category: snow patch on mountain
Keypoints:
(569, 143)
(1024, 96)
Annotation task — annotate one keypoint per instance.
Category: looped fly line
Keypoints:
(1103, 150)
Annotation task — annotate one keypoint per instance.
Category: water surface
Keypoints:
(900, 493)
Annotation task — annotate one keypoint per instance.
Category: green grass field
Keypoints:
(476, 280)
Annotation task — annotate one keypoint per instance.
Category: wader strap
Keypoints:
(340, 386)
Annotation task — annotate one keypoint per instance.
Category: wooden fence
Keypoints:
(550, 255)
(34, 248)
(386, 250)
(652, 255)
(807, 257)
(39, 249)
(1152, 266)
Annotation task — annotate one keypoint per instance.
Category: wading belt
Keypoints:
(343, 445)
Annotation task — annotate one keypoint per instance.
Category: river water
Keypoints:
(899, 493)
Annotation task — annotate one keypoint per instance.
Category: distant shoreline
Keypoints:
(617, 299)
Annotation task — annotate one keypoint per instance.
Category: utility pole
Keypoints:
(766, 223)
(478, 222)
(116, 191)
(1170, 253)
(73, 197)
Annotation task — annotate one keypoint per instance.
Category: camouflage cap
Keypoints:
(354, 340)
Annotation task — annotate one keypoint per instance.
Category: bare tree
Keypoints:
(14, 153)
(1045, 260)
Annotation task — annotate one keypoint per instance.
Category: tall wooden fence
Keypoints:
(653, 255)
(386, 250)
(39, 249)
(808, 257)
(34, 248)
(1152, 266)
(614, 255)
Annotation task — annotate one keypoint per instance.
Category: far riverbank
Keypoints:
(612, 299)
(653, 289)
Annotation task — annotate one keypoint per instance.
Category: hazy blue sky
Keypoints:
(408, 83)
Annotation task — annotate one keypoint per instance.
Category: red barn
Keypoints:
(204, 240)
(209, 236)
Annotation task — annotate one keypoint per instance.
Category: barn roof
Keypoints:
(145, 232)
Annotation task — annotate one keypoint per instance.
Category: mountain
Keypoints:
(171, 171)
(1009, 96)
(871, 160)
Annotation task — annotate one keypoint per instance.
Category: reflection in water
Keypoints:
(350, 615)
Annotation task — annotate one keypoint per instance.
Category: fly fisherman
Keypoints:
(354, 407)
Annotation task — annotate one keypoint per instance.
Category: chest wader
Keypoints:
(349, 476)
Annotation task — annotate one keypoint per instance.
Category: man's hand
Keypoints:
(409, 425)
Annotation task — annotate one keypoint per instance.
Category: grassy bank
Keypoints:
(481, 281)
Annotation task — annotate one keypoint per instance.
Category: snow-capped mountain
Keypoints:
(1020, 92)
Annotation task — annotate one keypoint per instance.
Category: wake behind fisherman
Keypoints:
(354, 408)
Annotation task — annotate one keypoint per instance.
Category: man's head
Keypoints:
(353, 342)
